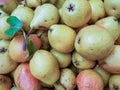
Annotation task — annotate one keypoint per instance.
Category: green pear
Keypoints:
(67, 80)
(104, 74)
(61, 38)
(4, 26)
(33, 3)
(80, 62)
(112, 8)
(76, 13)
(25, 15)
(6, 63)
(64, 59)
(114, 82)
(111, 62)
(2, 13)
(111, 24)
(94, 42)
(98, 10)
(44, 67)
(8, 5)
(45, 16)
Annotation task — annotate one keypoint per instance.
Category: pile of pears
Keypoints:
(76, 43)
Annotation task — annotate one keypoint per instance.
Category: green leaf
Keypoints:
(30, 46)
(15, 26)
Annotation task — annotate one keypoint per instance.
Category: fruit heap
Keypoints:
(59, 44)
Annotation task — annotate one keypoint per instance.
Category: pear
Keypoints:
(61, 38)
(89, 80)
(25, 15)
(44, 67)
(5, 82)
(48, 1)
(104, 74)
(33, 3)
(2, 13)
(4, 26)
(64, 59)
(114, 57)
(8, 5)
(114, 83)
(98, 10)
(6, 63)
(94, 42)
(112, 8)
(67, 80)
(111, 24)
(80, 62)
(59, 3)
(76, 13)
(45, 16)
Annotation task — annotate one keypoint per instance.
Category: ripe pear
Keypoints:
(67, 80)
(76, 13)
(44, 67)
(25, 15)
(111, 24)
(44, 16)
(98, 10)
(112, 8)
(2, 13)
(94, 42)
(111, 62)
(64, 59)
(80, 62)
(61, 38)
(33, 3)
(4, 26)
(6, 63)
(8, 5)
(114, 82)
(89, 80)
(104, 74)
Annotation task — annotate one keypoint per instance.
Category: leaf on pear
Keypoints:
(15, 26)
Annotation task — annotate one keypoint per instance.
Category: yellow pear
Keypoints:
(111, 24)
(44, 67)
(114, 57)
(94, 42)
(25, 15)
(45, 16)
(8, 5)
(112, 7)
(61, 38)
(76, 13)
(33, 3)
(98, 10)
